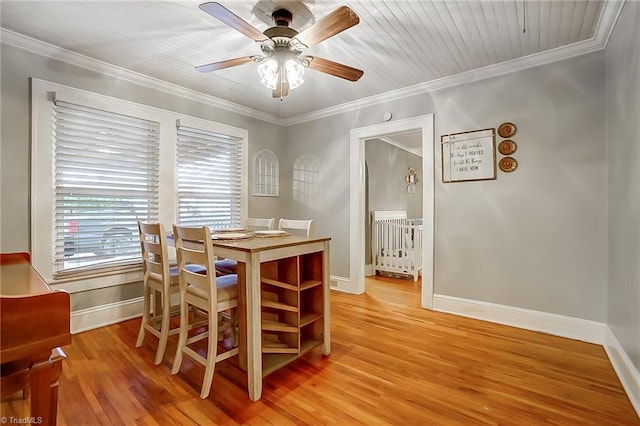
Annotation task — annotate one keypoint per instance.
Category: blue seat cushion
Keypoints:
(227, 266)
(198, 269)
(226, 281)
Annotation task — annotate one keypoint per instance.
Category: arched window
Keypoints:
(266, 174)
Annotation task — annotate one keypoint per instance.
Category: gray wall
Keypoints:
(17, 67)
(388, 166)
(535, 238)
(623, 150)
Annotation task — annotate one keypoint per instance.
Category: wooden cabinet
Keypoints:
(292, 308)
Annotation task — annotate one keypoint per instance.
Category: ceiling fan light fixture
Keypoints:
(292, 70)
(268, 72)
(282, 63)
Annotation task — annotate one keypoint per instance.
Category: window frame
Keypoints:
(266, 154)
(81, 136)
(189, 126)
(42, 165)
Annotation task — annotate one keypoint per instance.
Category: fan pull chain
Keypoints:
(524, 16)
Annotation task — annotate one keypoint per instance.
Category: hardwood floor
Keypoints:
(392, 363)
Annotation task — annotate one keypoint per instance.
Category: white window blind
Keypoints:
(209, 178)
(265, 174)
(106, 179)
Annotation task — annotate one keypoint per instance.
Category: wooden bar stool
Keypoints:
(207, 293)
(160, 278)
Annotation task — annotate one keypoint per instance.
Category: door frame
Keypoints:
(357, 139)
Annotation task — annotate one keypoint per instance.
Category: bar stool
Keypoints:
(207, 293)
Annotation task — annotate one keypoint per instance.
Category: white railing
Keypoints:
(397, 243)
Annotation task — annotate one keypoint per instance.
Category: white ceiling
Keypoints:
(398, 44)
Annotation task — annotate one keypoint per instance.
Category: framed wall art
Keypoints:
(468, 156)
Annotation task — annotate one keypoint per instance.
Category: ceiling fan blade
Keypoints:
(332, 24)
(224, 64)
(220, 12)
(335, 68)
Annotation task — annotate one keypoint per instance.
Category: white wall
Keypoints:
(623, 150)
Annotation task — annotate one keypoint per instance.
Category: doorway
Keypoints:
(425, 124)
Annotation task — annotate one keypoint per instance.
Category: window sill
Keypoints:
(103, 279)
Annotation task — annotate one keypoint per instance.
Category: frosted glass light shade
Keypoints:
(293, 71)
(268, 72)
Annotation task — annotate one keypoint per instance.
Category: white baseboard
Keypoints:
(627, 373)
(558, 325)
(100, 316)
(341, 284)
(368, 270)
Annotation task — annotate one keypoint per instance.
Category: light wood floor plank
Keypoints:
(392, 363)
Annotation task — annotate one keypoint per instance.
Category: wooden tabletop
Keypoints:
(256, 244)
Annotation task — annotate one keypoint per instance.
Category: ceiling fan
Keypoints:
(282, 64)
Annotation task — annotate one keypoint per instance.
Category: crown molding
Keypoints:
(42, 48)
(606, 22)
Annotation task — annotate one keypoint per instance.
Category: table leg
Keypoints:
(242, 315)
(254, 336)
(326, 344)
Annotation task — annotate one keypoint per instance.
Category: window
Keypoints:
(99, 164)
(209, 177)
(105, 180)
(265, 174)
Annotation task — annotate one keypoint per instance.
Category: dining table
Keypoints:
(256, 256)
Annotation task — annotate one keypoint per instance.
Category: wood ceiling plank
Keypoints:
(545, 19)
(589, 20)
(513, 23)
(576, 21)
(431, 62)
(555, 18)
(503, 26)
(434, 37)
(472, 46)
(533, 26)
(475, 13)
(566, 16)
(446, 26)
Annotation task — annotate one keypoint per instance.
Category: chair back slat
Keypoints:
(254, 223)
(155, 254)
(194, 247)
(298, 226)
